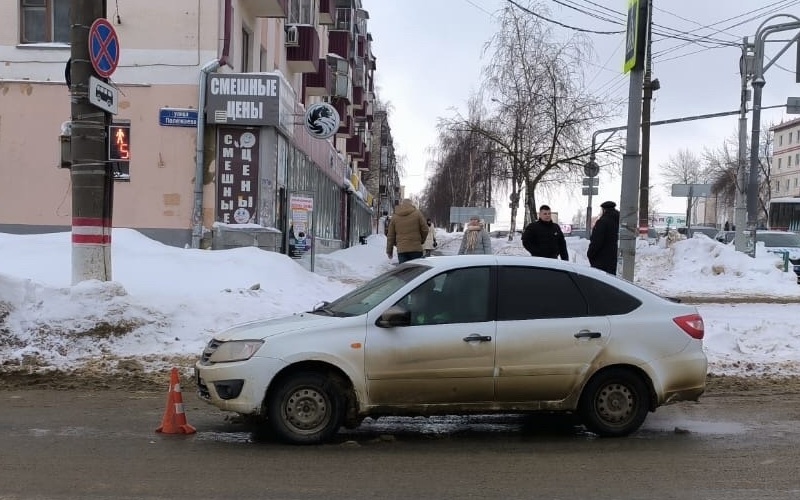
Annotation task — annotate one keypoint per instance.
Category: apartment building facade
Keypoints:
(261, 177)
(785, 166)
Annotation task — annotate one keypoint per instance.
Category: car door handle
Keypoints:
(586, 334)
(477, 338)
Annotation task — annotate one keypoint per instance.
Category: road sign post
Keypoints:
(590, 170)
(89, 174)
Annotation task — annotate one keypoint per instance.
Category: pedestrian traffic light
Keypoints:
(119, 140)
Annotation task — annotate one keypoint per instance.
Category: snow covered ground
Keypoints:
(166, 302)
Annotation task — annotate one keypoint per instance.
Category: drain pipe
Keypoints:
(210, 67)
(197, 212)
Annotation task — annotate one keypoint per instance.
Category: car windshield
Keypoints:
(367, 296)
(779, 239)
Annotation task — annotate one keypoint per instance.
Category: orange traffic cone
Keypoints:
(174, 421)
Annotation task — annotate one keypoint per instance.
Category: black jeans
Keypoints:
(406, 256)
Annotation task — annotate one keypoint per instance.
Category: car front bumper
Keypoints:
(216, 381)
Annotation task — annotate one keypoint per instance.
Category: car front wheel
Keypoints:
(614, 403)
(306, 408)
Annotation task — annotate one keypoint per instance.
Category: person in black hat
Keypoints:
(603, 244)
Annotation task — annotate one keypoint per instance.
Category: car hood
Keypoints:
(264, 328)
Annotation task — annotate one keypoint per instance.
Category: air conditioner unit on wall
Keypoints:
(292, 36)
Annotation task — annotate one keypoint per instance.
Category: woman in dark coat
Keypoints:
(603, 244)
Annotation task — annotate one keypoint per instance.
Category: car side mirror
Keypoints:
(393, 317)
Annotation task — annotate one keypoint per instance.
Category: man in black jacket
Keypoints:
(543, 237)
(603, 244)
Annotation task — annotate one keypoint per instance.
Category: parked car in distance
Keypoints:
(532, 335)
(709, 231)
(782, 241)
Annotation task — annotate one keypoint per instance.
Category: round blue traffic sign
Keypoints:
(103, 47)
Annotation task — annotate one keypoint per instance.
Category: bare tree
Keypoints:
(461, 170)
(543, 116)
(684, 167)
(722, 165)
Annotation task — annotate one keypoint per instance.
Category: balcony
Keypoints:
(358, 98)
(265, 8)
(347, 129)
(343, 19)
(363, 112)
(355, 146)
(339, 43)
(327, 12)
(303, 56)
(318, 83)
(359, 73)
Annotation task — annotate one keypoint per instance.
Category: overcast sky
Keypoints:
(430, 54)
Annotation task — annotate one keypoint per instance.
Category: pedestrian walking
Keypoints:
(544, 238)
(603, 244)
(407, 231)
(476, 240)
(430, 241)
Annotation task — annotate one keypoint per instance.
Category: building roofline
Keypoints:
(785, 125)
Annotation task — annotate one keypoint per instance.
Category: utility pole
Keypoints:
(740, 208)
(629, 195)
(90, 175)
(649, 86)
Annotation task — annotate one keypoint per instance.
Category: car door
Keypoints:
(547, 340)
(446, 354)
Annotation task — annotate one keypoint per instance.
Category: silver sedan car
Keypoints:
(458, 335)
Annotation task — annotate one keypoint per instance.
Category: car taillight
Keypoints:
(691, 324)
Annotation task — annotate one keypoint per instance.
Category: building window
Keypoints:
(795, 182)
(302, 12)
(787, 184)
(246, 47)
(44, 21)
(790, 138)
(789, 161)
(778, 186)
(779, 162)
(797, 159)
(780, 139)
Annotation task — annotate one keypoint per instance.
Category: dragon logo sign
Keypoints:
(322, 120)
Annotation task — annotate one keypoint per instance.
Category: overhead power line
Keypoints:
(582, 30)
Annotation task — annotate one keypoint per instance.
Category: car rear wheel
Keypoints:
(614, 403)
(306, 408)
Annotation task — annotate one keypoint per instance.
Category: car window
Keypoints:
(605, 299)
(536, 293)
(367, 296)
(456, 296)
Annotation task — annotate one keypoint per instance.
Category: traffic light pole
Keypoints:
(90, 175)
(758, 82)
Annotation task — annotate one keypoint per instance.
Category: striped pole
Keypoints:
(91, 242)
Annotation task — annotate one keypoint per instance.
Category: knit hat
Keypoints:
(608, 204)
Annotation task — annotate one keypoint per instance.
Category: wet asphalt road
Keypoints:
(82, 444)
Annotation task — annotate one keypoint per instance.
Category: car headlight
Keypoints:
(235, 350)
